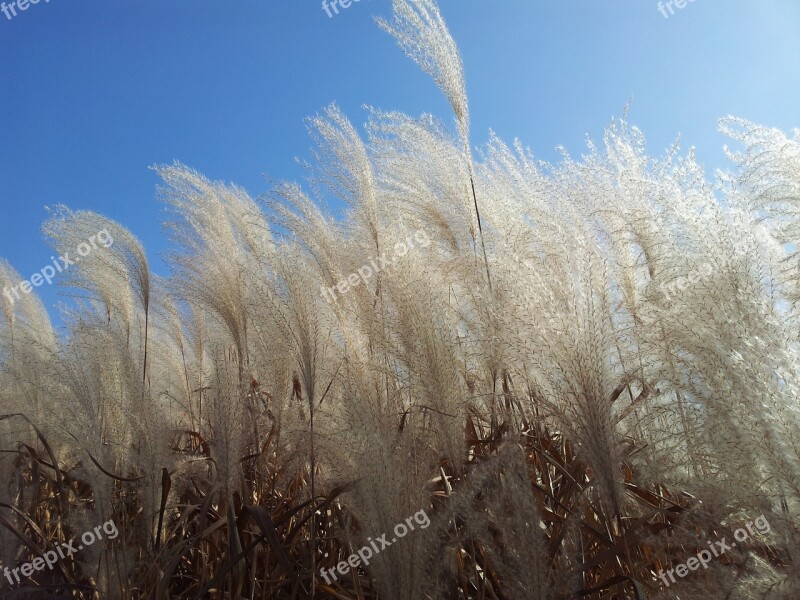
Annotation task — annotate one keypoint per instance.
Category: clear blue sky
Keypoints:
(92, 92)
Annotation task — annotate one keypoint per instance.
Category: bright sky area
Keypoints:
(93, 92)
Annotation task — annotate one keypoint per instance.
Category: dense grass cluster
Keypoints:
(570, 428)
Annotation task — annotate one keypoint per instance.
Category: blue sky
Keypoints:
(93, 92)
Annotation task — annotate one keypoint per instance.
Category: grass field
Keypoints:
(557, 381)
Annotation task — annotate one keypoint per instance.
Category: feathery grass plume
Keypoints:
(390, 466)
(313, 230)
(26, 334)
(421, 33)
(427, 350)
(174, 362)
(101, 271)
(284, 303)
(28, 349)
(509, 527)
(222, 235)
(583, 376)
(420, 171)
(344, 167)
(28, 352)
(768, 185)
(227, 422)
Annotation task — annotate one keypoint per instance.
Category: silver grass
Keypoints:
(422, 34)
(638, 312)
